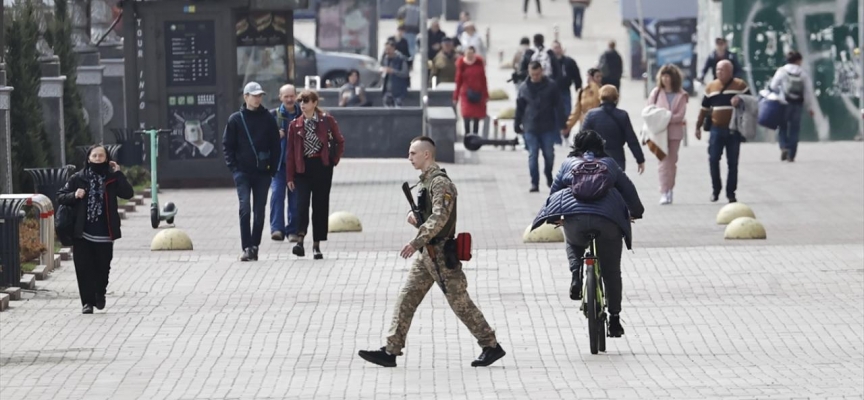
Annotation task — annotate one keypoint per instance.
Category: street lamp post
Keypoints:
(424, 62)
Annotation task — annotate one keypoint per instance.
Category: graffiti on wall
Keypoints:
(825, 33)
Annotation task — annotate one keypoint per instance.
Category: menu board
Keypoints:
(191, 53)
(192, 117)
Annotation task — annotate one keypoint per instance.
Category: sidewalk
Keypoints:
(704, 317)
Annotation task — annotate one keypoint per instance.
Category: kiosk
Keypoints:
(187, 62)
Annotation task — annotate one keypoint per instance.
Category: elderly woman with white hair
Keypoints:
(471, 38)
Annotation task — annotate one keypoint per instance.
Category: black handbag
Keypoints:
(332, 144)
(708, 123)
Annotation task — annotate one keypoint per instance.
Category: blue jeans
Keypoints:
(278, 212)
(567, 99)
(723, 138)
(252, 193)
(578, 18)
(537, 142)
(787, 135)
(412, 44)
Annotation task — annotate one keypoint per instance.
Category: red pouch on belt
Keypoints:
(463, 246)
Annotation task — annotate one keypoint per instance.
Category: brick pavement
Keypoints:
(705, 318)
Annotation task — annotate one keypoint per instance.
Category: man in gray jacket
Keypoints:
(540, 115)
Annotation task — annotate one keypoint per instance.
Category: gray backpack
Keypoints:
(793, 87)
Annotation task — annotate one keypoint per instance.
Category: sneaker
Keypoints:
(669, 193)
(533, 189)
(715, 197)
(615, 328)
(254, 253)
(664, 199)
(732, 199)
(784, 155)
(293, 238)
(576, 286)
(489, 356)
(277, 236)
(247, 254)
(378, 357)
(87, 309)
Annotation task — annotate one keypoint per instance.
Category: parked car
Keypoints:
(333, 66)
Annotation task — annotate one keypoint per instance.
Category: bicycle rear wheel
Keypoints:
(601, 324)
(594, 323)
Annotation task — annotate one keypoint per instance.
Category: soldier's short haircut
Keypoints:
(426, 139)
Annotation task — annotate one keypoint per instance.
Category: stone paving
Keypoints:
(781, 318)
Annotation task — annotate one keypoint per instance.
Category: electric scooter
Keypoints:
(166, 214)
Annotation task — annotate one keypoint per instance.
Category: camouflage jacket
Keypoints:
(442, 194)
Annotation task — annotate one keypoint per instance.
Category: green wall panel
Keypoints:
(826, 34)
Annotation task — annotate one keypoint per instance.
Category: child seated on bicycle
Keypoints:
(602, 201)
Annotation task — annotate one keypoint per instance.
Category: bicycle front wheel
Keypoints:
(593, 313)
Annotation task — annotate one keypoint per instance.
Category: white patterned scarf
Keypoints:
(311, 143)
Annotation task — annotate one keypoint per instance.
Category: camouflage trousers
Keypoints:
(420, 279)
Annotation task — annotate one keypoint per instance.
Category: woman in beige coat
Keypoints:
(587, 100)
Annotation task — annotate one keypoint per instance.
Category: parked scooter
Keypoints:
(156, 215)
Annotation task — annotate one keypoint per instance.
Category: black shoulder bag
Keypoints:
(707, 123)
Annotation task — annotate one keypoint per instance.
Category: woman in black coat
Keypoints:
(92, 194)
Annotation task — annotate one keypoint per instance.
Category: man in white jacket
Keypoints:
(794, 89)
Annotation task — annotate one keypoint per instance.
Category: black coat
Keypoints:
(570, 75)
(613, 124)
(539, 108)
(116, 185)
(240, 156)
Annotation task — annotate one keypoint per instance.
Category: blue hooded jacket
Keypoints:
(619, 204)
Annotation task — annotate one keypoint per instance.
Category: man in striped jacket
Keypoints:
(721, 96)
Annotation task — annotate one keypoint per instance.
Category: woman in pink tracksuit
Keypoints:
(669, 95)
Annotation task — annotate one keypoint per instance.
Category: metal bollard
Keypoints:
(48, 181)
(504, 135)
(10, 231)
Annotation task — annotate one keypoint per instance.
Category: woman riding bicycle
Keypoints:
(608, 217)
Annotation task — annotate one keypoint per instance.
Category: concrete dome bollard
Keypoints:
(343, 221)
(745, 228)
(498, 94)
(171, 239)
(545, 233)
(733, 210)
(507, 113)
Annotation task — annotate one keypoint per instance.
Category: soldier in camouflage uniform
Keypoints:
(439, 216)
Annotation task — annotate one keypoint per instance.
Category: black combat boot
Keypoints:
(379, 357)
(489, 356)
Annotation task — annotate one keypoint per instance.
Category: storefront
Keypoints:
(189, 61)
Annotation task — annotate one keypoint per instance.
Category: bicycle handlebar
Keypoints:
(158, 131)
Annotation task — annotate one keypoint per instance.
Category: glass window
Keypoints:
(262, 50)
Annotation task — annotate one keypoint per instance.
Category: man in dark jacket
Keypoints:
(720, 53)
(396, 71)
(540, 115)
(284, 114)
(401, 45)
(613, 124)
(436, 38)
(251, 148)
(570, 76)
(612, 67)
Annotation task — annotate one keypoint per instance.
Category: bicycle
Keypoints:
(593, 297)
